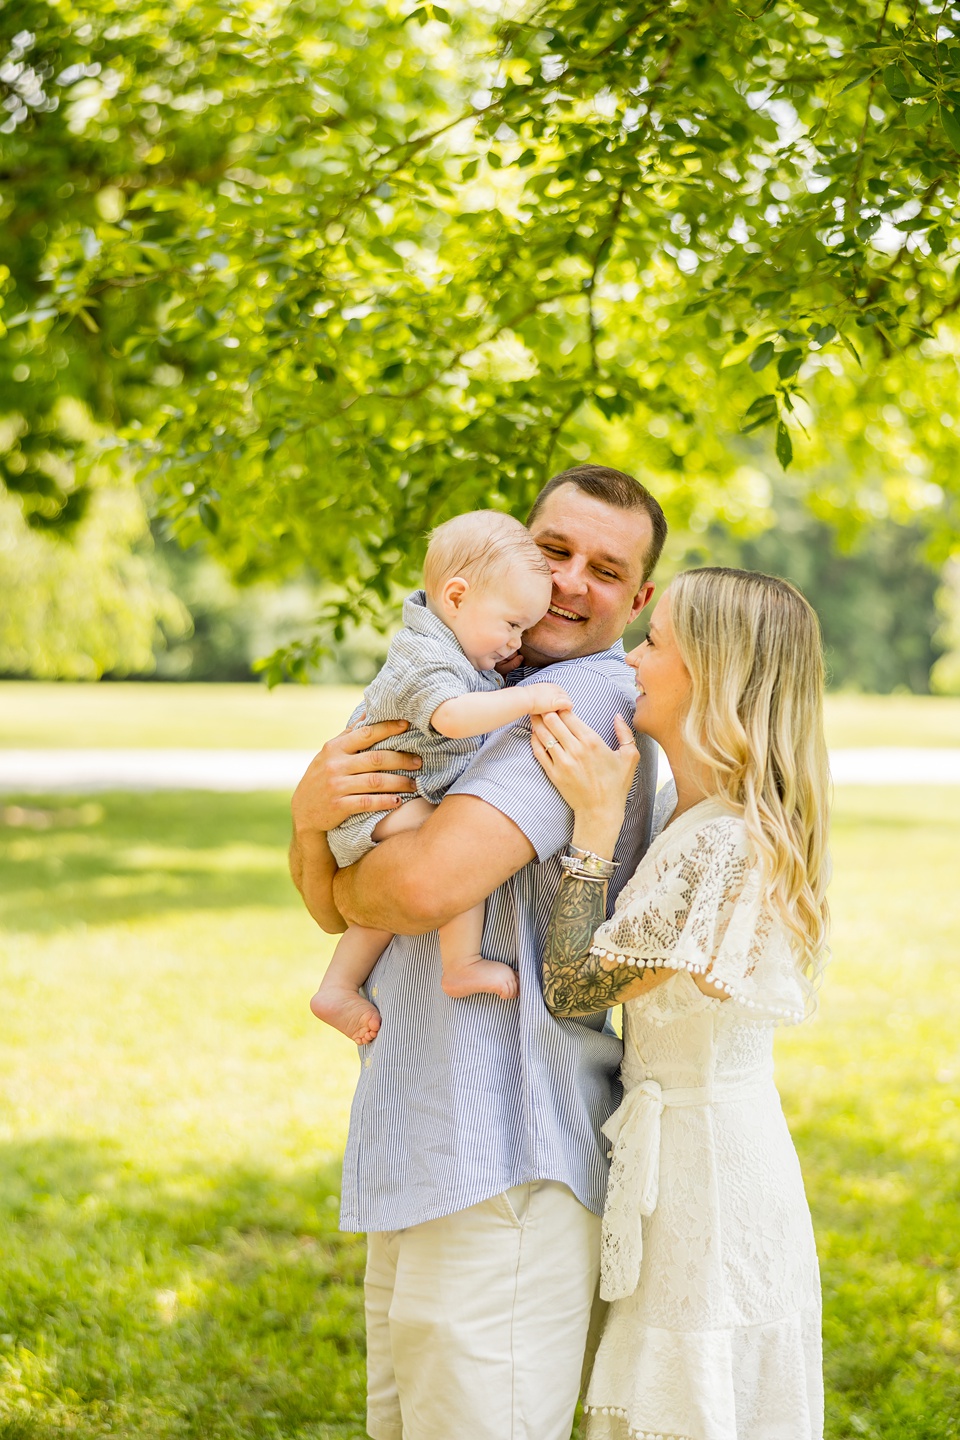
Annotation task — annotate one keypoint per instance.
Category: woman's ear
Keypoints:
(451, 596)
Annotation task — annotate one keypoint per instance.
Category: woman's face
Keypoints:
(663, 681)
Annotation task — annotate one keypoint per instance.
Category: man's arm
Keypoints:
(416, 882)
(344, 779)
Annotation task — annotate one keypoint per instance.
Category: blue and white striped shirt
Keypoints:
(460, 1099)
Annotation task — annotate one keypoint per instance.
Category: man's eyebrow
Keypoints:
(617, 561)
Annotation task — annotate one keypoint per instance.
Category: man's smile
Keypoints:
(565, 614)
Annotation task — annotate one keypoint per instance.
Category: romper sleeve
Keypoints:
(699, 906)
(425, 674)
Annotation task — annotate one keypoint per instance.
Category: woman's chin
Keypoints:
(641, 722)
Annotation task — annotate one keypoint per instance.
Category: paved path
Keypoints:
(88, 771)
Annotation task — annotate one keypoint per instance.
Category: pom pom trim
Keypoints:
(635, 1434)
(771, 1014)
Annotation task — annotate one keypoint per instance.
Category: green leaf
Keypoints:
(937, 240)
(741, 349)
(209, 516)
(849, 345)
(761, 356)
(950, 121)
(789, 363)
(898, 86)
(852, 84)
(917, 115)
(868, 227)
(825, 334)
(784, 445)
(764, 404)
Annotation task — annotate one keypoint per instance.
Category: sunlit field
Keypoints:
(172, 1120)
(300, 716)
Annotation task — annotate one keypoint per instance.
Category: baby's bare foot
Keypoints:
(475, 976)
(347, 1011)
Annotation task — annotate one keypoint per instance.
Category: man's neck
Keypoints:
(534, 660)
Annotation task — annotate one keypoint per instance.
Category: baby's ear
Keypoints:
(454, 589)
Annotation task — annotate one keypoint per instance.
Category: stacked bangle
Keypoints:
(586, 865)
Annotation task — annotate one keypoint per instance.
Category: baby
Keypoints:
(485, 582)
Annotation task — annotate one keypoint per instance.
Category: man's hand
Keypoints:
(345, 779)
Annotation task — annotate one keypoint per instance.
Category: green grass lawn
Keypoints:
(301, 716)
(172, 1120)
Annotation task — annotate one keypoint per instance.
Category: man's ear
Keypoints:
(451, 596)
(643, 597)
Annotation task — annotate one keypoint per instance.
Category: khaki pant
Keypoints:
(477, 1323)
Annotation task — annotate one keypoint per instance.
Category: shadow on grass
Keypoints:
(226, 1304)
(193, 1304)
(120, 857)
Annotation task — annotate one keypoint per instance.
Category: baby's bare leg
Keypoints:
(408, 816)
(465, 972)
(338, 1001)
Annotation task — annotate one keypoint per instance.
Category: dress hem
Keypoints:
(634, 1434)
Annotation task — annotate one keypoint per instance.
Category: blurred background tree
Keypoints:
(326, 273)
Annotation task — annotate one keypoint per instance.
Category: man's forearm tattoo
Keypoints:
(574, 981)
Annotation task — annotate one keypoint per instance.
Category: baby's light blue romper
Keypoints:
(424, 666)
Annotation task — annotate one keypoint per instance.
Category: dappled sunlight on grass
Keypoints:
(174, 1116)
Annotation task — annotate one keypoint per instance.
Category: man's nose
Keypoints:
(570, 577)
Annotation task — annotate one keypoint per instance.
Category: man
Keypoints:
(474, 1160)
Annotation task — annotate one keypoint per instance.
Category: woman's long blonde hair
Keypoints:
(752, 646)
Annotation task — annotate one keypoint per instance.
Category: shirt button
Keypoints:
(368, 1062)
(374, 992)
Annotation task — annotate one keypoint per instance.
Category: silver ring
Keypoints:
(549, 744)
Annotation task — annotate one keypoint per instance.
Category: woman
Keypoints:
(707, 1249)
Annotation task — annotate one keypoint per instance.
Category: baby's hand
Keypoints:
(546, 698)
(503, 667)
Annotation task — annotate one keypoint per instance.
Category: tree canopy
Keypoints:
(338, 270)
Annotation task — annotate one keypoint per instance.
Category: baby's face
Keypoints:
(490, 620)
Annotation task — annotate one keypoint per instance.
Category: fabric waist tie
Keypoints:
(634, 1132)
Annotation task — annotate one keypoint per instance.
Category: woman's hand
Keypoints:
(593, 779)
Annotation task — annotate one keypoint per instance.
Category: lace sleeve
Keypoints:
(696, 904)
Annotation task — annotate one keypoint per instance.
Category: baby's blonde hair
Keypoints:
(481, 546)
(752, 646)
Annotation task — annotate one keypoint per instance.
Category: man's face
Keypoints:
(596, 555)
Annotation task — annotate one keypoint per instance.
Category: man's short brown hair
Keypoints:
(616, 489)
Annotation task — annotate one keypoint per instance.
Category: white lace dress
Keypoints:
(708, 1252)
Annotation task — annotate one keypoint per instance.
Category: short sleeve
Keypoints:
(699, 906)
(424, 674)
(508, 776)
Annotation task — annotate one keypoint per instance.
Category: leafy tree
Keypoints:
(340, 270)
(78, 611)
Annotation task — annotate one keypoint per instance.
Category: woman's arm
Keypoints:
(574, 981)
(595, 781)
